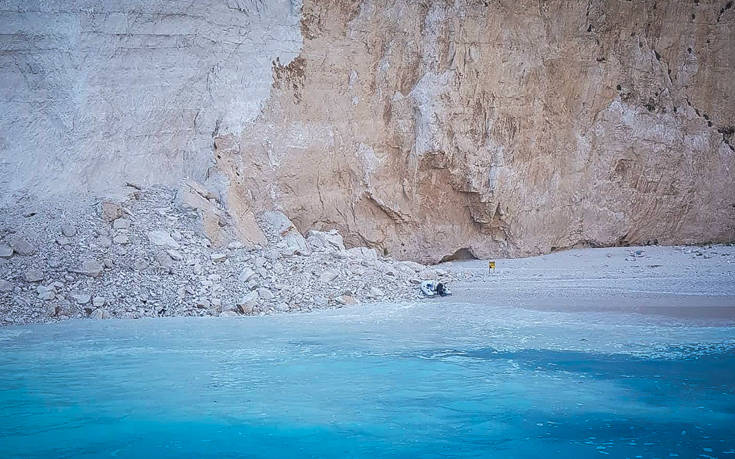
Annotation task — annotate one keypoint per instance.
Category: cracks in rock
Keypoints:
(292, 75)
(727, 6)
(725, 131)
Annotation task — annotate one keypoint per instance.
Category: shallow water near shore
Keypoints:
(385, 380)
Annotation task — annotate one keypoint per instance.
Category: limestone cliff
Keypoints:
(425, 128)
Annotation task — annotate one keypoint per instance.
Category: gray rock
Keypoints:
(91, 268)
(22, 246)
(265, 294)
(410, 266)
(345, 299)
(54, 263)
(63, 241)
(104, 242)
(6, 251)
(228, 313)
(163, 239)
(245, 275)
(5, 286)
(328, 276)
(364, 253)
(375, 292)
(218, 257)
(33, 275)
(68, 230)
(175, 254)
(46, 293)
(325, 241)
(81, 298)
(121, 224)
(235, 245)
(285, 229)
(121, 239)
(164, 260)
(248, 299)
(53, 310)
(140, 264)
(100, 314)
(98, 301)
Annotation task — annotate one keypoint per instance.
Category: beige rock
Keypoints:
(111, 210)
(194, 195)
(496, 128)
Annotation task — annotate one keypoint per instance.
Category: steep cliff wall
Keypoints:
(97, 92)
(424, 128)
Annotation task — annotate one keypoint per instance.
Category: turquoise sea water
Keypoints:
(386, 383)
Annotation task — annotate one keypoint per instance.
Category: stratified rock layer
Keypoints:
(425, 129)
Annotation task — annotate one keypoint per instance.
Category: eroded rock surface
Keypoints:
(484, 128)
(423, 129)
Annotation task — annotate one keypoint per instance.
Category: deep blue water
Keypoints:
(270, 388)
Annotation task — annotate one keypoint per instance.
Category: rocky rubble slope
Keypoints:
(424, 129)
(149, 256)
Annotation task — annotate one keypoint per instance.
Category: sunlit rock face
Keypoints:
(425, 129)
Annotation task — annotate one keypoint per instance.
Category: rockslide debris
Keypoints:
(153, 255)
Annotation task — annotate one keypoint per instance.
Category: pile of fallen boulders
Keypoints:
(166, 253)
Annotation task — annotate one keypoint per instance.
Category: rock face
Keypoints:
(424, 129)
(97, 92)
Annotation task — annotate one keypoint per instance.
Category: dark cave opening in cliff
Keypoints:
(460, 255)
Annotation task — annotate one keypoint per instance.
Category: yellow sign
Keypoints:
(490, 265)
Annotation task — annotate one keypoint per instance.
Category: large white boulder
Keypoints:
(325, 241)
(280, 227)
